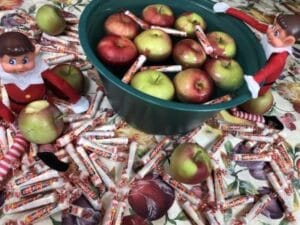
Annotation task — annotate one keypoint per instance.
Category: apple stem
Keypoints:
(226, 63)
(69, 69)
(198, 157)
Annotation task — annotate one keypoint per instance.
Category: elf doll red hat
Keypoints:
(23, 72)
(277, 42)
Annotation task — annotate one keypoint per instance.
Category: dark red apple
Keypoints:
(193, 85)
(159, 14)
(189, 53)
(259, 105)
(116, 50)
(121, 25)
(190, 163)
(134, 220)
(151, 197)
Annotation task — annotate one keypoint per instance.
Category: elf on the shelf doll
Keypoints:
(277, 43)
(22, 73)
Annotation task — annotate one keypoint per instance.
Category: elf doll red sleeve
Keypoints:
(23, 74)
(277, 43)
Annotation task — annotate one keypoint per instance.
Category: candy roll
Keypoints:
(217, 144)
(153, 152)
(264, 157)
(144, 25)
(80, 212)
(99, 134)
(201, 36)
(212, 217)
(256, 209)
(95, 103)
(49, 174)
(163, 68)
(120, 212)
(96, 180)
(127, 171)
(110, 213)
(29, 203)
(14, 153)
(109, 183)
(224, 98)
(219, 187)
(211, 190)
(237, 201)
(170, 31)
(114, 141)
(134, 68)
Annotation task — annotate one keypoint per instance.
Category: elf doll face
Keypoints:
(18, 64)
(278, 37)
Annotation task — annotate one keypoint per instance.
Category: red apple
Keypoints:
(116, 50)
(189, 53)
(71, 74)
(40, 122)
(134, 220)
(151, 197)
(226, 73)
(121, 25)
(259, 105)
(154, 83)
(155, 44)
(193, 85)
(222, 43)
(159, 14)
(190, 163)
(187, 22)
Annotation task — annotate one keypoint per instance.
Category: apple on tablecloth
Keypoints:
(154, 83)
(40, 122)
(190, 163)
(50, 20)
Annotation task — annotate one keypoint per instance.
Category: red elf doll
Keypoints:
(277, 43)
(22, 73)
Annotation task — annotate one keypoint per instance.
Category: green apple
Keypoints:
(154, 83)
(71, 74)
(190, 163)
(155, 44)
(187, 22)
(40, 122)
(50, 20)
(226, 73)
(259, 105)
(222, 43)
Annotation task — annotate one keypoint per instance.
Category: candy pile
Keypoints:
(105, 167)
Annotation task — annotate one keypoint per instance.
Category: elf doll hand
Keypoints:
(81, 105)
(252, 85)
(220, 7)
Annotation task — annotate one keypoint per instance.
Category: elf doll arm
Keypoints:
(262, 80)
(80, 103)
(222, 7)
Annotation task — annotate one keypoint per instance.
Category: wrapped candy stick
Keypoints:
(110, 213)
(283, 151)
(256, 209)
(101, 134)
(212, 217)
(29, 203)
(224, 98)
(211, 190)
(153, 152)
(120, 212)
(170, 31)
(192, 213)
(283, 180)
(203, 40)
(139, 21)
(163, 68)
(85, 213)
(96, 180)
(95, 103)
(49, 174)
(237, 201)
(134, 68)
(113, 140)
(14, 153)
(265, 157)
(45, 212)
(102, 171)
(90, 124)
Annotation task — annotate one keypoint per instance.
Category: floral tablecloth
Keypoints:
(240, 179)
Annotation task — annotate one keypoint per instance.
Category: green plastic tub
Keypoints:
(150, 114)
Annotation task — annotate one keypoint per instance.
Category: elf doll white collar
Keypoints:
(269, 49)
(23, 81)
